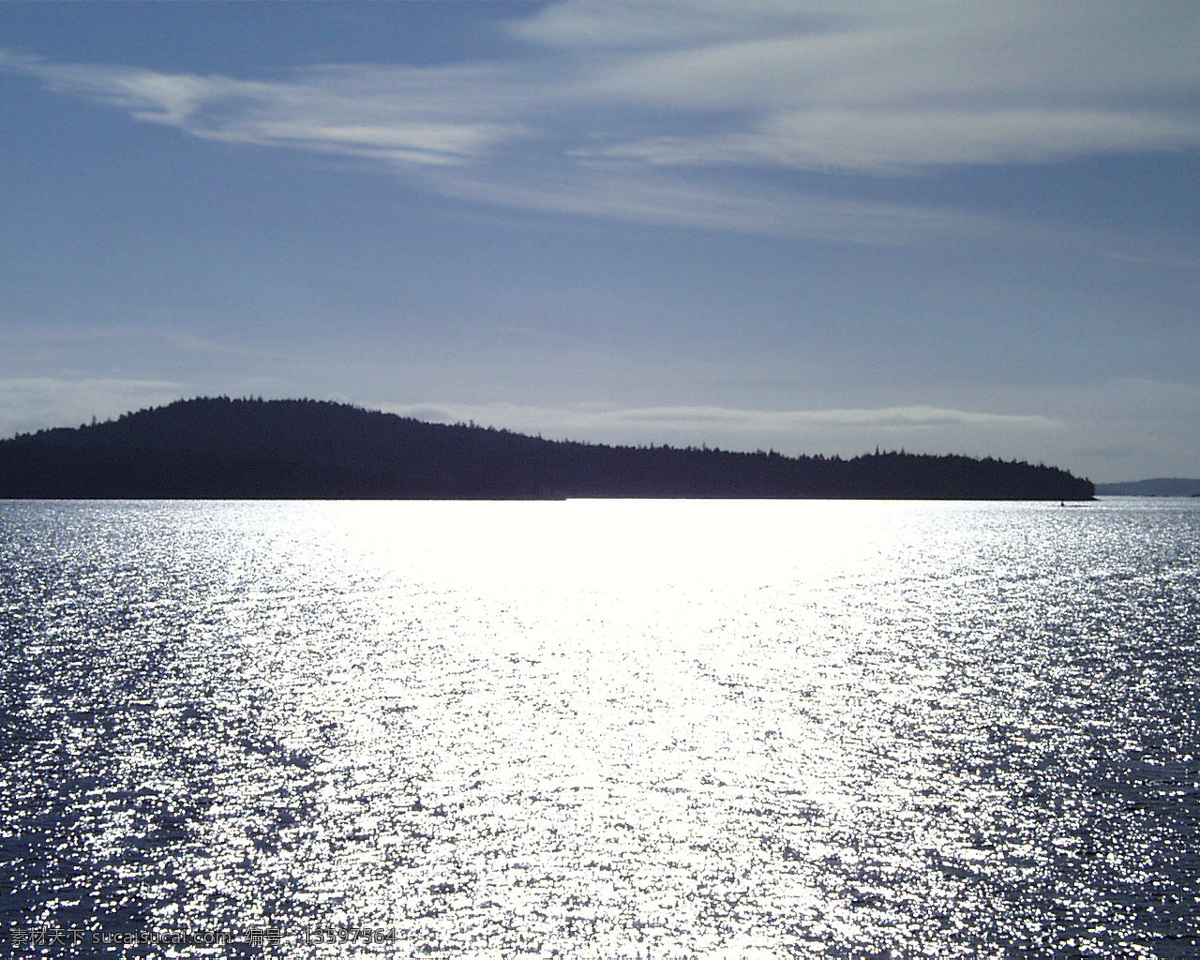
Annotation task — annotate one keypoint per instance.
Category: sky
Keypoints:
(813, 226)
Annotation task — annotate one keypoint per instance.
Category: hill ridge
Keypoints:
(223, 448)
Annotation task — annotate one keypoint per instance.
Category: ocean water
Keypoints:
(600, 729)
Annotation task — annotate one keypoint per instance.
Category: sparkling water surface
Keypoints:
(600, 729)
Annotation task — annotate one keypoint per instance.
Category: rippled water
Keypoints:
(600, 729)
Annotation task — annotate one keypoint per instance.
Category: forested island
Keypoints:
(222, 448)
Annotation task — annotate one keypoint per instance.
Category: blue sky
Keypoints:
(810, 226)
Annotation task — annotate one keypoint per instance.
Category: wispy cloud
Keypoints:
(897, 141)
(634, 111)
(394, 115)
(887, 87)
(844, 431)
(587, 420)
(654, 197)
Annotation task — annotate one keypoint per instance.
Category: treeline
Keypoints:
(222, 448)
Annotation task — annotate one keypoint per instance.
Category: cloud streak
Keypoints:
(590, 418)
(880, 88)
(845, 431)
(883, 141)
(394, 115)
(633, 112)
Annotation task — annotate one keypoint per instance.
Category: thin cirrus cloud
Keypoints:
(394, 115)
(882, 141)
(883, 88)
(651, 197)
(639, 112)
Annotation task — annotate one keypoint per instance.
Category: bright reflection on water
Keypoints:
(603, 728)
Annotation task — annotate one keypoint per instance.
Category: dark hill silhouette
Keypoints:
(218, 448)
